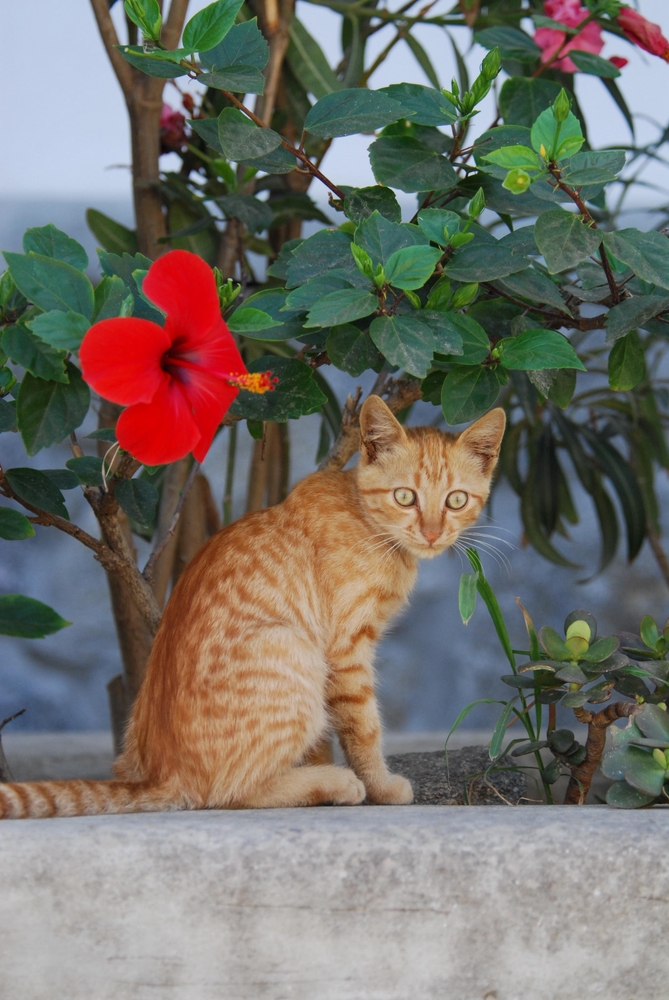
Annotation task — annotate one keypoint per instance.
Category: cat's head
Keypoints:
(420, 485)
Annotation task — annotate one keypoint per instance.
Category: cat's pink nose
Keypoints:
(431, 536)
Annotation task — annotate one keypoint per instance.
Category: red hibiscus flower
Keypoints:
(645, 34)
(177, 381)
(551, 41)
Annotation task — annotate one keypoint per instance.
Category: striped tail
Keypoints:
(40, 799)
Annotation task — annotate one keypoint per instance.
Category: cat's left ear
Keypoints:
(484, 438)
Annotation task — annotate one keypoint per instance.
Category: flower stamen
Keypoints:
(257, 382)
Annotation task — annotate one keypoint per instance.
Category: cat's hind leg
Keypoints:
(308, 786)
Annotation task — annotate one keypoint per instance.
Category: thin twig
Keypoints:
(121, 67)
(148, 570)
(5, 773)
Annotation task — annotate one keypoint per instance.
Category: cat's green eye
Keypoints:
(405, 497)
(457, 499)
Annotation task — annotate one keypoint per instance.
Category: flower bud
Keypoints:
(562, 106)
(517, 181)
(491, 65)
(477, 204)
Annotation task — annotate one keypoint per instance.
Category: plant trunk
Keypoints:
(144, 108)
(598, 723)
(269, 471)
(199, 521)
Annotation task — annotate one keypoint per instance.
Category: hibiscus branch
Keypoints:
(122, 69)
(149, 569)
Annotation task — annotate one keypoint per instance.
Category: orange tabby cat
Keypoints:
(268, 639)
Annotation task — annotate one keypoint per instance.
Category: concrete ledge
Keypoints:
(427, 903)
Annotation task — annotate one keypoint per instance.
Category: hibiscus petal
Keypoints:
(161, 431)
(218, 354)
(183, 286)
(120, 359)
(210, 398)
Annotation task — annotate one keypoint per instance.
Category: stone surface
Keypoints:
(419, 902)
(460, 781)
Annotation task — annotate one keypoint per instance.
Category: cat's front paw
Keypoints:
(396, 791)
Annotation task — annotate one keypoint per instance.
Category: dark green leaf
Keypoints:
(633, 313)
(240, 139)
(645, 774)
(653, 722)
(590, 167)
(627, 362)
(243, 79)
(28, 618)
(306, 60)
(146, 15)
(63, 331)
(530, 513)
(475, 343)
(87, 468)
(511, 42)
(124, 267)
(296, 394)
(14, 525)
(601, 650)
(535, 350)
(346, 112)
(237, 61)
(151, 63)
(279, 161)
(588, 62)
(7, 415)
(381, 238)
(48, 411)
(536, 287)
(447, 330)
(209, 26)
(467, 597)
(112, 299)
(207, 129)
(438, 224)
(103, 434)
(249, 320)
(423, 105)
(351, 349)
(483, 262)
(553, 644)
(37, 489)
(271, 302)
(423, 60)
(307, 295)
(343, 306)
(646, 253)
(255, 214)
(467, 393)
(50, 283)
(412, 266)
(111, 235)
(410, 165)
(62, 478)
(33, 354)
(51, 242)
(405, 342)
(571, 674)
(622, 796)
(563, 240)
(139, 499)
(362, 202)
(327, 249)
(499, 731)
(522, 99)
(575, 699)
(626, 486)
(430, 387)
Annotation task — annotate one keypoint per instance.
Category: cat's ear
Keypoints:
(379, 430)
(484, 438)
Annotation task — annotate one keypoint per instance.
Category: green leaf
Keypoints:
(270, 302)
(62, 478)
(557, 139)
(536, 350)
(448, 338)
(633, 313)
(653, 722)
(535, 286)
(351, 349)
(146, 15)
(309, 65)
(347, 112)
(14, 525)
(645, 774)
(37, 489)
(307, 295)
(410, 165)
(475, 343)
(87, 468)
(63, 331)
(499, 731)
(412, 266)
(124, 267)
(622, 796)
(236, 62)
(363, 202)
(48, 411)
(438, 224)
(51, 242)
(111, 235)
(601, 649)
(381, 238)
(342, 306)
(553, 644)
(138, 499)
(27, 618)
(50, 283)
(255, 214)
(112, 299)
(210, 26)
(7, 415)
(511, 42)
(626, 486)
(103, 434)
(319, 254)
(588, 62)
(467, 596)
(564, 241)
(37, 357)
(423, 105)
(594, 167)
(646, 253)
(279, 161)
(405, 342)
(151, 63)
(467, 392)
(423, 60)
(511, 157)
(296, 394)
(522, 99)
(240, 139)
(627, 362)
(484, 262)
(246, 321)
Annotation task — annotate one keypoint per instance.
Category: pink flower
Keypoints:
(551, 41)
(172, 129)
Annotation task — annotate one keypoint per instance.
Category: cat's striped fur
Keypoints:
(267, 642)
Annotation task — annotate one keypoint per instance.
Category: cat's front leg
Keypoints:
(355, 714)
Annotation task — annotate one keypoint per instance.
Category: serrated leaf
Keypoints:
(63, 331)
(240, 139)
(351, 349)
(51, 284)
(633, 313)
(535, 286)
(48, 411)
(558, 139)
(405, 342)
(536, 350)
(467, 392)
(33, 354)
(111, 235)
(410, 165)
(342, 306)
(522, 99)
(52, 242)
(423, 105)
(138, 499)
(514, 158)
(237, 61)
(448, 339)
(37, 489)
(363, 202)
(297, 392)
(381, 238)
(627, 362)
(326, 250)
(475, 343)
(412, 266)
(7, 415)
(255, 214)
(14, 525)
(87, 469)
(151, 63)
(594, 167)
(210, 25)
(246, 321)
(483, 262)
(27, 618)
(347, 112)
(564, 240)
(271, 302)
(438, 224)
(646, 253)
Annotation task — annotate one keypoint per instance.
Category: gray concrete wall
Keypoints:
(427, 903)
